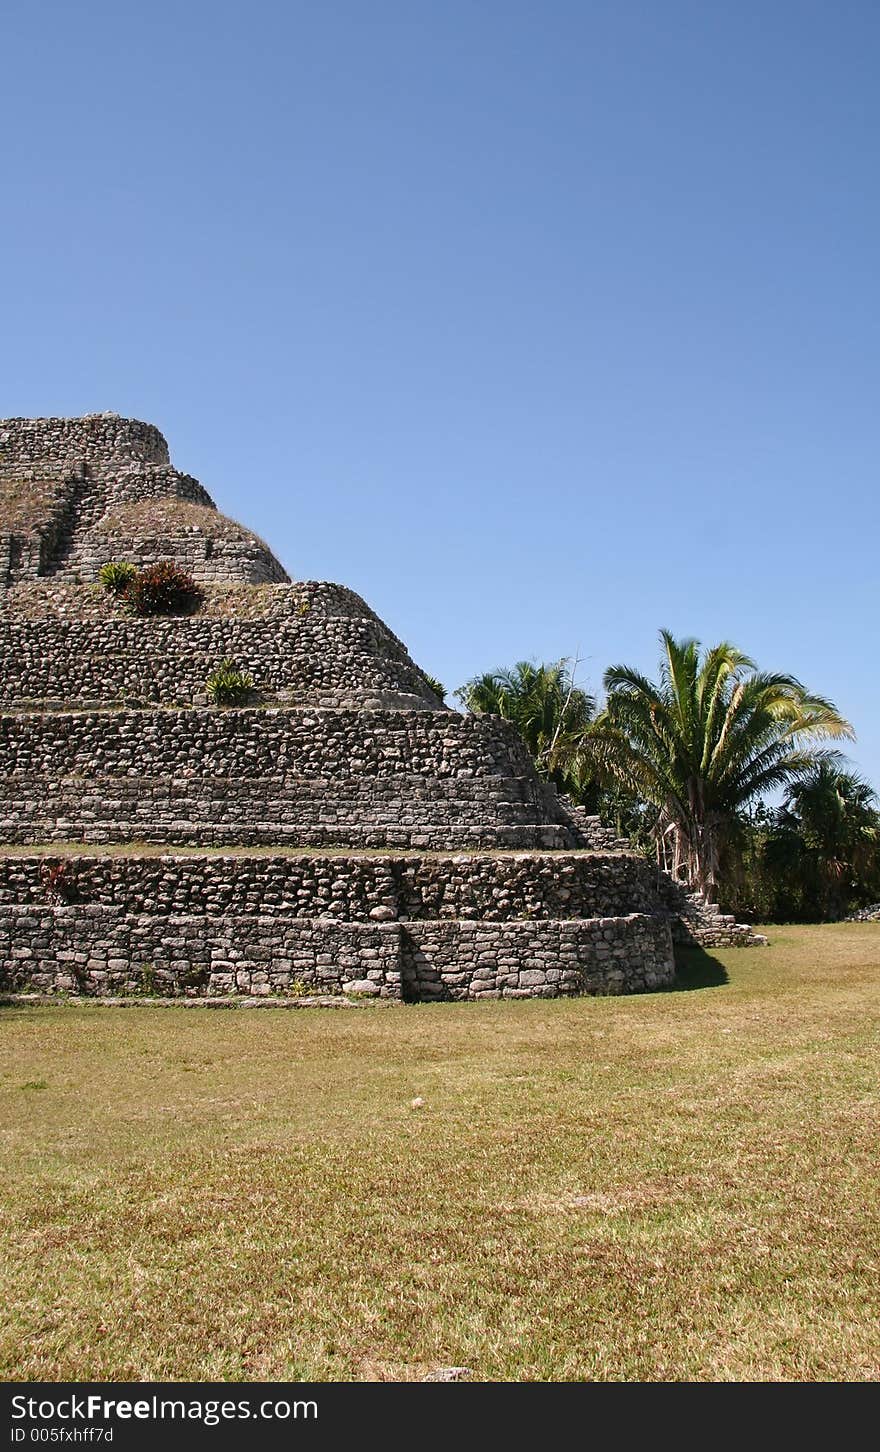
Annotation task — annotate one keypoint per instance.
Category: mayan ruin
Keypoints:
(340, 832)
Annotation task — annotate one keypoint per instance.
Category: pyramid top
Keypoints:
(77, 492)
(98, 440)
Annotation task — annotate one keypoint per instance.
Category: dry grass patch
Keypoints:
(166, 513)
(680, 1185)
(28, 504)
(43, 599)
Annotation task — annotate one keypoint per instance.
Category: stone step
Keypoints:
(106, 951)
(261, 742)
(168, 662)
(482, 886)
(439, 838)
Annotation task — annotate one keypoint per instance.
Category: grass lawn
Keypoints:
(680, 1185)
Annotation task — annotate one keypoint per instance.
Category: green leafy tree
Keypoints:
(704, 741)
(552, 714)
(822, 854)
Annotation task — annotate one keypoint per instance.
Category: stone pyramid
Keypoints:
(347, 833)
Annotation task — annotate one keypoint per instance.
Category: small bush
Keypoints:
(148, 979)
(59, 882)
(228, 686)
(116, 576)
(436, 686)
(163, 589)
(298, 988)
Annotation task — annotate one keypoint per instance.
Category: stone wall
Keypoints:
(430, 779)
(631, 954)
(103, 950)
(402, 812)
(141, 482)
(530, 886)
(250, 743)
(51, 511)
(207, 558)
(395, 926)
(48, 600)
(98, 441)
(320, 651)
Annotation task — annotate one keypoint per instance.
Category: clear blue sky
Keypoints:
(541, 324)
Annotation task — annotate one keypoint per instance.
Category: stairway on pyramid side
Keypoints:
(355, 834)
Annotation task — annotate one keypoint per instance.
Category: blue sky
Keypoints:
(541, 325)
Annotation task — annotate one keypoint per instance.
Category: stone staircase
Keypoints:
(83, 507)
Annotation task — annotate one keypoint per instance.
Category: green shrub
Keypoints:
(116, 576)
(163, 589)
(228, 686)
(436, 686)
(298, 988)
(148, 979)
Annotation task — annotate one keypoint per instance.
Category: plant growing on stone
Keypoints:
(116, 576)
(59, 882)
(298, 988)
(228, 686)
(436, 686)
(163, 589)
(148, 979)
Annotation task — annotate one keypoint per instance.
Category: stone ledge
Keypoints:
(408, 886)
(105, 952)
(71, 1000)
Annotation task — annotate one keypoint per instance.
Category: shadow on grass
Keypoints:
(695, 968)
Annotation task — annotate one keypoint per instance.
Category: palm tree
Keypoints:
(833, 818)
(703, 742)
(552, 714)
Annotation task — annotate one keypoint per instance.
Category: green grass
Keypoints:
(682, 1185)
